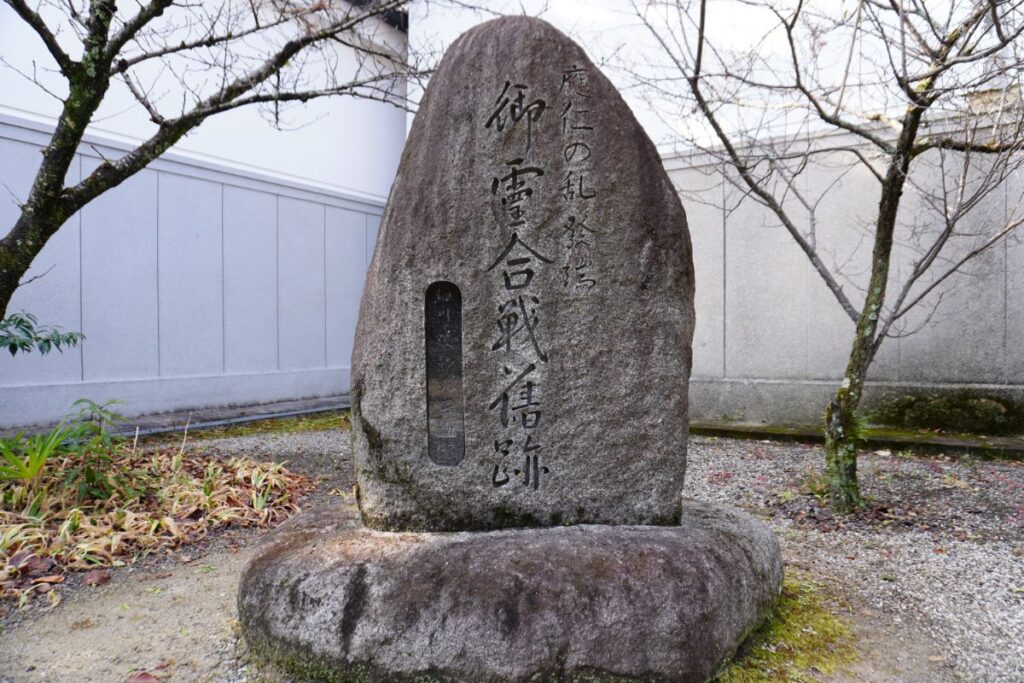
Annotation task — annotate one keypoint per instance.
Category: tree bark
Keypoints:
(841, 429)
(46, 208)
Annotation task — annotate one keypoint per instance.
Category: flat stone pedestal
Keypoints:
(330, 599)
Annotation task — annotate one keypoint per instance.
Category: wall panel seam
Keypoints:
(81, 284)
(223, 292)
(325, 283)
(277, 274)
(159, 340)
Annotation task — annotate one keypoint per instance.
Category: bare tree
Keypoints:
(184, 61)
(924, 95)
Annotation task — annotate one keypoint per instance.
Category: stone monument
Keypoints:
(519, 409)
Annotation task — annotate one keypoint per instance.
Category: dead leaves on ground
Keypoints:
(182, 496)
(96, 577)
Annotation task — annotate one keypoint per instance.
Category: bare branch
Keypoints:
(32, 18)
(148, 13)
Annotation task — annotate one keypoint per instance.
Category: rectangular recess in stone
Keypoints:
(446, 432)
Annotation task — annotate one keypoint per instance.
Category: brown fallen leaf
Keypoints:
(88, 622)
(141, 677)
(38, 565)
(96, 577)
(186, 558)
(52, 578)
(18, 558)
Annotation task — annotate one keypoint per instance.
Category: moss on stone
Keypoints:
(304, 667)
(955, 411)
(799, 641)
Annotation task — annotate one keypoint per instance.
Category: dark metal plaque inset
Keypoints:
(446, 430)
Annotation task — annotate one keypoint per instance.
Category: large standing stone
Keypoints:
(522, 359)
(523, 347)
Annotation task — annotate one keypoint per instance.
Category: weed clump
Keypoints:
(80, 497)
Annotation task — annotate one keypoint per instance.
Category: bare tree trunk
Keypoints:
(841, 429)
(46, 208)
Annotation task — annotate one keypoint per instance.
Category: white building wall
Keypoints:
(771, 342)
(195, 284)
(339, 144)
(228, 272)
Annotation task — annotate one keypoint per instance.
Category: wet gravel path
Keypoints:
(931, 573)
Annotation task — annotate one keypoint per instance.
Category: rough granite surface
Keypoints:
(333, 600)
(529, 186)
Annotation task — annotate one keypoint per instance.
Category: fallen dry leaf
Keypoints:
(141, 677)
(17, 558)
(96, 577)
(52, 578)
(38, 565)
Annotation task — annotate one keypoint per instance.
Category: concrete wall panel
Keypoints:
(250, 281)
(372, 229)
(706, 219)
(55, 297)
(120, 303)
(958, 332)
(191, 274)
(785, 338)
(846, 198)
(766, 295)
(345, 268)
(301, 314)
(1013, 250)
(191, 277)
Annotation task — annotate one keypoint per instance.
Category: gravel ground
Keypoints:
(931, 574)
(940, 549)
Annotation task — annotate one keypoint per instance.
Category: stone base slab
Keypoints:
(332, 600)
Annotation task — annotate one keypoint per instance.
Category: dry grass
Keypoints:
(145, 501)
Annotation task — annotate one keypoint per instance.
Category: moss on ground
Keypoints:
(801, 639)
(314, 422)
